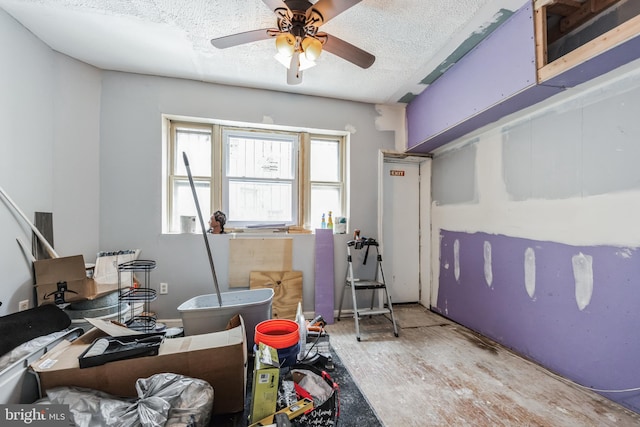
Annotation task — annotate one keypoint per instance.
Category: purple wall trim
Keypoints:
(517, 102)
(324, 274)
(499, 67)
(598, 347)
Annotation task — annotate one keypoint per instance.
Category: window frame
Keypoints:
(342, 174)
(301, 218)
(294, 139)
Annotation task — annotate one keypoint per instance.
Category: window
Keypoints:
(326, 179)
(258, 177)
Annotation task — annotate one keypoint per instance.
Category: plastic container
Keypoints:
(283, 335)
(202, 314)
(278, 333)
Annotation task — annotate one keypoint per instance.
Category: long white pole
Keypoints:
(26, 251)
(204, 230)
(52, 253)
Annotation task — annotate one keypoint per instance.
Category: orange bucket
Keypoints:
(277, 333)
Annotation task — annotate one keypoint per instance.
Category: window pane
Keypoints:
(260, 158)
(260, 202)
(183, 203)
(325, 161)
(323, 200)
(197, 145)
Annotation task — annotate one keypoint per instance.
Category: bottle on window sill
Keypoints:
(323, 223)
(330, 221)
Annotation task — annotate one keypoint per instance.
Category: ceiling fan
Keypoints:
(298, 40)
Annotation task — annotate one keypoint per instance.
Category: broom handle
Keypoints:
(26, 251)
(204, 230)
(52, 253)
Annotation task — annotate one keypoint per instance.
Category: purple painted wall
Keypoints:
(324, 280)
(597, 347)
(498, 68)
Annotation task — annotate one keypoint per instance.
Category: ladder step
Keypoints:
(368, 284)
(373, 312)
(374, 283)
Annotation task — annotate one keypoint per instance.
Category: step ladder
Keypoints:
(377, 284)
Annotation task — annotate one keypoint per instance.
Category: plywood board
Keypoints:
(247, 255)
(287, 288)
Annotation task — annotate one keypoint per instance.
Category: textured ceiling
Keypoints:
(409, 38)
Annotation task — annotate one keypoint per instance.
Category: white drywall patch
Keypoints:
(488, 271)
(530, 271)
(350, 128)
(625, 253)
(267, 120)
(544, 219)
(456, 260)
(583, 276)
(393, 117)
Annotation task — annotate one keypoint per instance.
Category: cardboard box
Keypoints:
(220, 358)
(62, 280)
(266, 376)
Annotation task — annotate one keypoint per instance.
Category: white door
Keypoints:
(400, 227)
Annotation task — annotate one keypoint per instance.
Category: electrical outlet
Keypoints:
(23, 305)
(164, 288)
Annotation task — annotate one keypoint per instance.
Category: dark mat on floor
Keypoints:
(23, 326)
(355, 410)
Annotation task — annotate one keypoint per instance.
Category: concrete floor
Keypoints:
(438, 373)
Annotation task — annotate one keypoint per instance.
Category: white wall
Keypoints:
(564, 170)
(131, 173)
(43, 96)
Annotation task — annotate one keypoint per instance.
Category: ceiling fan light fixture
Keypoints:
(305, 63)
(312, 48)
(283, 59)
(285, 44)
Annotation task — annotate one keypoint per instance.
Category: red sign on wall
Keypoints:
(396, 173)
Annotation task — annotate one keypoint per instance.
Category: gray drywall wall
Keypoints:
(26, 147)
(454, 176)
(76, 192)
(575, 150)
(610, 144)
(49, 116)
(542, 157)
(131, 159)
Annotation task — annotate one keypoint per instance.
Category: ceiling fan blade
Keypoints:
(347, 51)
(242, 38)
(331, 8)
(275, 4)
(294, 75)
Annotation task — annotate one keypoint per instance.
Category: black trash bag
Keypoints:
(321, 389)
